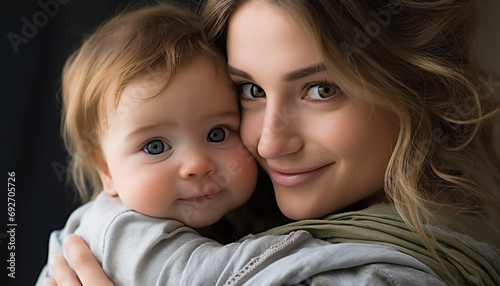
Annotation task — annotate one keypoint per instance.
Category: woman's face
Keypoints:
(323, 150)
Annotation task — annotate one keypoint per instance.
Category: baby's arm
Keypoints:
(409, 273)
(90, 272)
(140, 250)
(135, 249)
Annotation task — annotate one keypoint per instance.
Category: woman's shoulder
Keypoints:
(375, 274)
(342, 264)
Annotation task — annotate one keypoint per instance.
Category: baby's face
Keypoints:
(179, 155)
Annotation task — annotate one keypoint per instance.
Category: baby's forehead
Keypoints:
(136, 90)
(155, 88)
(156, 80)
(145, 87)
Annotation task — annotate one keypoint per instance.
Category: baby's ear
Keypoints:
(106, 178)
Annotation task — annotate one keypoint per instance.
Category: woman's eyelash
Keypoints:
(321, 91)
(238, 84)
(322, 82)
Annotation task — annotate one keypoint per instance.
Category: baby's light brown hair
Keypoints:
(135, 44)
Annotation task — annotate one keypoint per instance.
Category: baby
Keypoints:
(151, 118)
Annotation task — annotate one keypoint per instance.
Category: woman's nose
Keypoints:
(279, 136)
(196, 164)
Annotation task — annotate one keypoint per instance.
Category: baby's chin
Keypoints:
(199, 218)
(192, 215)
(202, 222)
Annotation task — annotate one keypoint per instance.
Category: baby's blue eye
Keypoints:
(155, 147)
(217, 134)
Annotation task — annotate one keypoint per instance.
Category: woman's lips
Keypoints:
(291, 178)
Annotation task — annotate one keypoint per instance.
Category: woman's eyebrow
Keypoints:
(291, 76)
(304, 72)
(236, 72)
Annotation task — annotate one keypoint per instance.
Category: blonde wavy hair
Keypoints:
(137, 43)
(413, 58)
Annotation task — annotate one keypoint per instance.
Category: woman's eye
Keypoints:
(322, 91)
(155, 147)
(218, 134)
(250, 90)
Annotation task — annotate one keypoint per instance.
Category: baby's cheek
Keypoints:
(246, 177)
(250, 134)
(147, 194)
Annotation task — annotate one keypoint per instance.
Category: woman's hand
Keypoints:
(86, 266)
(63, 274)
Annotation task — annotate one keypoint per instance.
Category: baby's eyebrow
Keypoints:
(136, 132)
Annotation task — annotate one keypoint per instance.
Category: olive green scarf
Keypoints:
(475, 250)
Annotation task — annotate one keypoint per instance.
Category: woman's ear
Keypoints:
(106, 178)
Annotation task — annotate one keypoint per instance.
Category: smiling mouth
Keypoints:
(201, 199)
(292, 179)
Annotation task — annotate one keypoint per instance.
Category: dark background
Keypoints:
(30, 141)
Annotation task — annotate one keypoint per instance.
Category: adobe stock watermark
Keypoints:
(11, 224)
(219, 180)
(280, 120)
(129, 100)
(487, 87)
(31, 26)
(362, 37)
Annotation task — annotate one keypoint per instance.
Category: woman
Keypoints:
(370, 108)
